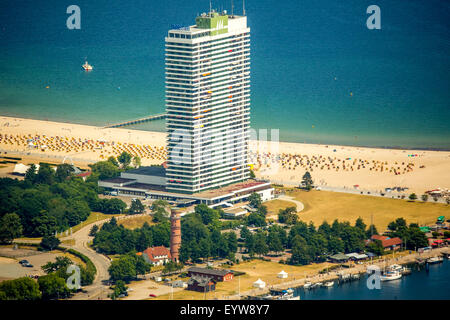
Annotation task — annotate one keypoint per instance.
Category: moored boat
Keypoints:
(328, 284)
(391, 275)
(434, 260)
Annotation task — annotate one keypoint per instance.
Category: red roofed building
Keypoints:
(388, 243)
(84, 174)
(157, 255)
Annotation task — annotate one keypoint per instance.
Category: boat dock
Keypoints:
(137, 121)
(350, 274)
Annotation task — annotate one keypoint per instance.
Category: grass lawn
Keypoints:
(274, 206)
(93, 217)
(326, 205)
(136, 222)
(256, 269)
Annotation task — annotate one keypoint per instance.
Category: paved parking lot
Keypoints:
(10, 267)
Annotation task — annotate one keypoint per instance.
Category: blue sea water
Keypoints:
(420, 285)
(318, 74)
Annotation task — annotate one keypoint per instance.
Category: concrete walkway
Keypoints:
(299, 205)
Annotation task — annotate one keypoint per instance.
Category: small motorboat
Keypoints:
(86, 66)
(328, 284)
(307, 285)
(391, 275)
(435, 260)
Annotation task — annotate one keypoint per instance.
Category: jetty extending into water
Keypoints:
(137, 121)
(350, 274)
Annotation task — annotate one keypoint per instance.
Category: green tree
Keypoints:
(335, 245)
(250, 243)
(44, 224)
(10, 227)
(61, 263)
(93, 230)
(49, 243)
(372, 230)
(252, 174)
(300, 252)
(118, 289)
(307, 181)
(256, 219)
(360, 224)
(63, 171)
(274, 242)
(416, 239)
(376, 247)
(20, 289)
(45, 175)
(53, 287)
(424, 197)
(412, 197)
(207, 214)
(113, 206)
(113, 160)
(288, 215)
(123, 268)
(245, 232)
(255, 200)
(124, 159)
(30, 174)
(261, 246)
(105, 169)
(136, 161)
(136, 207)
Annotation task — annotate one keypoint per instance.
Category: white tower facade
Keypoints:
(208, 103)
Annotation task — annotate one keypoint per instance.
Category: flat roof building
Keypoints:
(208, 103)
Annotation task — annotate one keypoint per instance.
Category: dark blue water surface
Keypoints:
(420, 285)
(318, 74)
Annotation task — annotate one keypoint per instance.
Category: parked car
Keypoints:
(23, 261)
(152, 295)
(28, 265)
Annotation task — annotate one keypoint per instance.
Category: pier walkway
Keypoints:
(137, 121)
(334, 275)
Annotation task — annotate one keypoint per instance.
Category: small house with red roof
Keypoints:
(157, 255)
(387, 242)
(84, 175)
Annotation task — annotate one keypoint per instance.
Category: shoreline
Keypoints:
(398, 148)
(355, 270)
(331, 166)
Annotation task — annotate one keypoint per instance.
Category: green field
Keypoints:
(327, 206)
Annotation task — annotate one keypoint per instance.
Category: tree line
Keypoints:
(49, 201)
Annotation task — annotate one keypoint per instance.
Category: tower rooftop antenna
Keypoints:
(243, 7)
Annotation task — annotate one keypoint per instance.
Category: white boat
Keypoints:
(396, 267)
(328, 284)
(86, 66)
(318, 284)
(391, 275)
(435, 260)
(307, 285)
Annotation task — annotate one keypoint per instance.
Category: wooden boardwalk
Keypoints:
(137, 121)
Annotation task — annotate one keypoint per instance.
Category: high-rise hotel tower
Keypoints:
(208, 103)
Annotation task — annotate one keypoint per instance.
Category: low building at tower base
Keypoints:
(149, 183)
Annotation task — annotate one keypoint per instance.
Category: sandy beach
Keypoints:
(284, 163)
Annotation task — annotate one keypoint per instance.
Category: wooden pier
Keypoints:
(137, 121)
